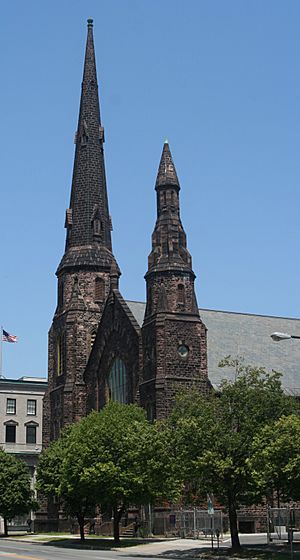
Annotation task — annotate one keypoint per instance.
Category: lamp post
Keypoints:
(278, 336)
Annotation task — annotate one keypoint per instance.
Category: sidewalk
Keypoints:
(181, 547)
(155, 547)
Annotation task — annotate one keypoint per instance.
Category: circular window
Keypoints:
(183, 351)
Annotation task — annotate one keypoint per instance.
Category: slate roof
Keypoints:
(247, 335)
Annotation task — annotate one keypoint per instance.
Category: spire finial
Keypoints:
(166, 141)
(166, 172)
(90, 22)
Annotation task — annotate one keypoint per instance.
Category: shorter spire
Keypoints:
(166, 172)
(169, 250)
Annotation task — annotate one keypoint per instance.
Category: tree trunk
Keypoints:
(116, 525)
(5, 527)
(278, 498)
(117, 518)
(235, 541)
(80, 519)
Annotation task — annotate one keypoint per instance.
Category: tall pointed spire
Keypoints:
(88, 269)
(87, 220)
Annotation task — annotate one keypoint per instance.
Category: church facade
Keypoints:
(97, 349)
(102, 347)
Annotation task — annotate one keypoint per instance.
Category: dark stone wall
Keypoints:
(165, 372)
(168, 301)
(118, 337)
(74, 325)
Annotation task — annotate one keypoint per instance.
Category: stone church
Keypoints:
(97, 350)
(102, 347)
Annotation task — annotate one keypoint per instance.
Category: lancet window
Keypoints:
(117, 381)
(99, 289)
(180, 293)
(60, 356)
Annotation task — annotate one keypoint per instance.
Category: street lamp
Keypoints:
(278, 336)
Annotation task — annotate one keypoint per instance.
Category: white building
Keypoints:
(21, 421)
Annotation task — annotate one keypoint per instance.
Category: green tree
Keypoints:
(111, 458)
(59, 475)
(16, 496)
(275, 459)
(214, 435)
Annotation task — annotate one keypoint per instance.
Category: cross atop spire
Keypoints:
(166, 172)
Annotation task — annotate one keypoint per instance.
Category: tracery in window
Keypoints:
(117, 381)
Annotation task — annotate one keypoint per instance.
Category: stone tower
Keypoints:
(84, 273)
(173, 335)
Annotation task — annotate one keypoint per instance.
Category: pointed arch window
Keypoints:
(149, 300)
(97, 227)
(180, 294)
(99, 289)
(60, 354)
(60, 292)
(117, 382)
(96, 222)
(84, 134)
(150, 410)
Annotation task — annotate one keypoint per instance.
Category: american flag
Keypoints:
(6, 337)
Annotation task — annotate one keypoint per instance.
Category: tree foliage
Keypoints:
(214, 435)
(16, 496)
(111, 458)
(275, 461)
(60, 475)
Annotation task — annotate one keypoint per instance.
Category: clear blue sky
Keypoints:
(221, 80)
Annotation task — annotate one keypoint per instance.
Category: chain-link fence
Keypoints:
(184, 523)
(282, 522)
